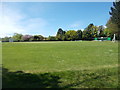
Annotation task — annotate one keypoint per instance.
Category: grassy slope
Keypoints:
(71, 62)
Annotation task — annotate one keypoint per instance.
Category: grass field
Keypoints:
(68, 64)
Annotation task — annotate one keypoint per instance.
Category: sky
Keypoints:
(45, 18)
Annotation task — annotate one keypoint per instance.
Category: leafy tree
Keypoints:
(41, 37)
(45, 38)
(88, 32)
(112, 26)
(52, 38)
(27, 37)
(101, 31)
(17, 37)
(38, 38)
(115, 12)
(107, 32)
(95, 32)
(115, 16)
(79, 35)
(71, 35)
(60, 34)
(35, 38)
(6, 39)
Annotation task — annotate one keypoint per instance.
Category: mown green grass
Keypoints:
(71, 61)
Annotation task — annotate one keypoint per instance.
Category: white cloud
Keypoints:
(15, 21)
(76, 25)
(34, 23)
(9, 21)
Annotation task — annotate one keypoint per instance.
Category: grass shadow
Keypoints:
(105, 78)
(20, 79)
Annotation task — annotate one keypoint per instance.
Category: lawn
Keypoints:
(60, 64)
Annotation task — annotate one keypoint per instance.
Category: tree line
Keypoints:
(89, 33)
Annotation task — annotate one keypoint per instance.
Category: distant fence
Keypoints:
(103, 38)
